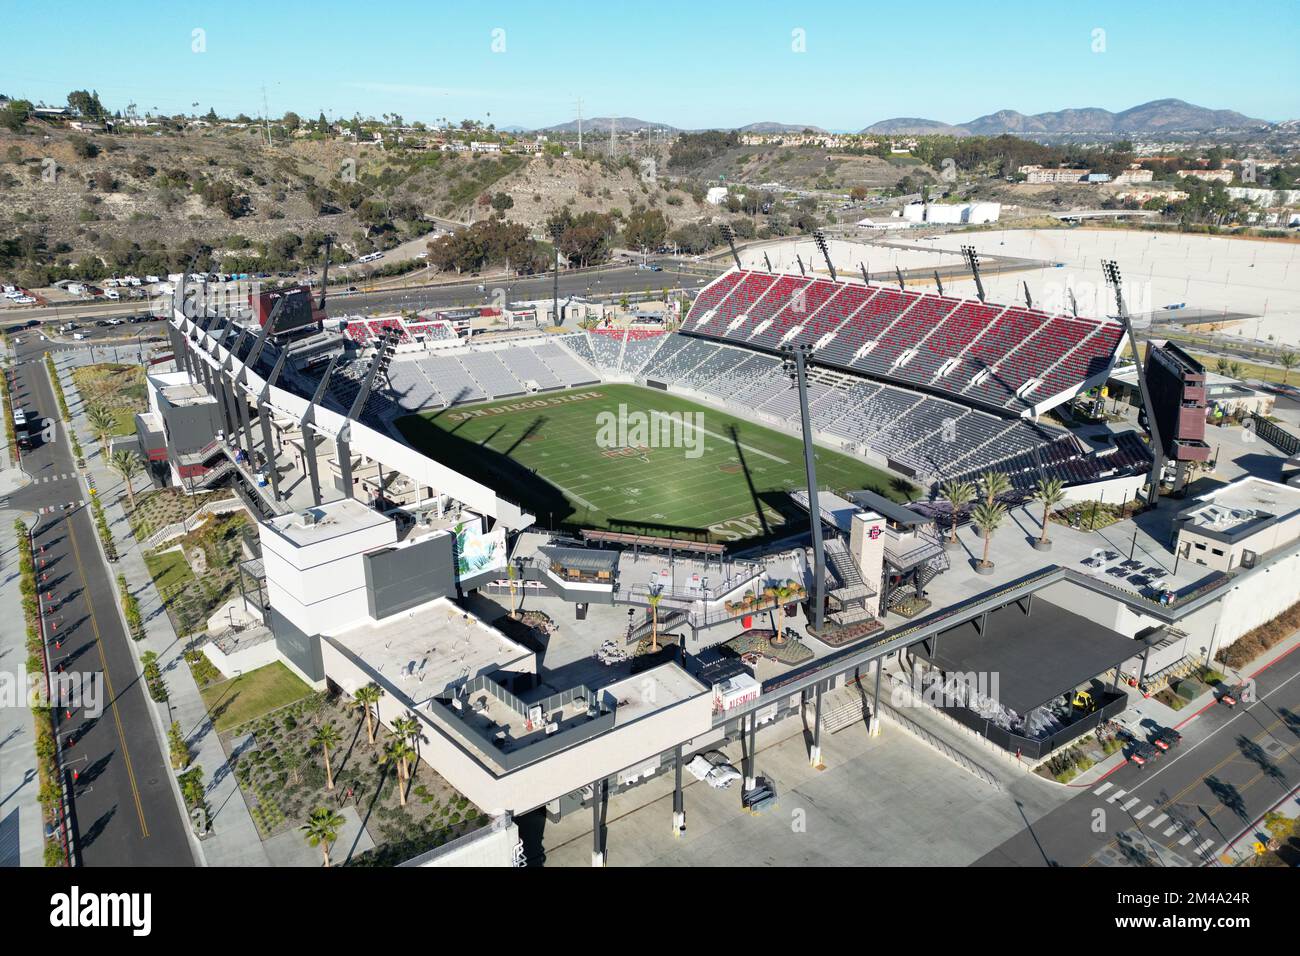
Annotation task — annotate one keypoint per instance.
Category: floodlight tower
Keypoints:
(1029, 300)
(973, 263)
(767, 262)
(899, 273)
(795, 363)
(819, 238)
(1110, 269)
(866, 276)
(325, 271)
(556, 231)
(938, 282)
(729, 234)
(799, 259)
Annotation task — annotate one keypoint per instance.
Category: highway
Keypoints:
(1232, 766)
(605, 281)
(124, 809)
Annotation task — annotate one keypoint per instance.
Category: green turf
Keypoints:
(735, 490)
(169, 569)
(236, 701)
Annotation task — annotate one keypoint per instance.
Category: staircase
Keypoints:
(667, 621)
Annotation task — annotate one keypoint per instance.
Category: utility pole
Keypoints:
(579, 124)
(794, 361)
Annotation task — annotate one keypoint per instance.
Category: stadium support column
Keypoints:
(268, 449)
(815, 755)
(679, 799)
(598, 795)
(873, 727)
(241, 403)
(751, 760)
(309, 441)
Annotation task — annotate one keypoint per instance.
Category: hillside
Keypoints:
(803, 167)
(269, 208)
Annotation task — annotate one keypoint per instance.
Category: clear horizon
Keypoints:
(678, 64)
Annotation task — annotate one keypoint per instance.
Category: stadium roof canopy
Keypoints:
(1037, 657)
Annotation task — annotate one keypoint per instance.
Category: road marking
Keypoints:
(1130, 804)
(1103, 788)
(1205, 846)
(1155, 824)
(1143, 812)
(1171, 831)
(1116, 796)
(1185, 840)
(108, 682)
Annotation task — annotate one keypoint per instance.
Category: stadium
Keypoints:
(908, 389)
(581, 555)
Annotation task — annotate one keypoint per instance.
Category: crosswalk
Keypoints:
(66, 506)
(46, 479)
(1113, 795)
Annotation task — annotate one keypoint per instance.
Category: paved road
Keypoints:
(613, 280)
(1232, 766)
(124, 809)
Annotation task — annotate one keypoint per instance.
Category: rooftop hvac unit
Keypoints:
(309, 518)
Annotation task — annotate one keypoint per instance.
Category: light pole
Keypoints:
(794, 362)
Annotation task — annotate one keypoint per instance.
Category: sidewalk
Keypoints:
(233, 839)
(21, 841)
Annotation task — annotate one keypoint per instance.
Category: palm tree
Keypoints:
(514, 607)
(322, 829)
(327, 736)
(399, 752)
(407, 728)
(363, 699)
(1050, 492)
(1288, 361)
(127, 464)
(1234, 369)
(958, 494)
(1221, 366)
(992, 484)
(654, 598)
(987, 516)
(102, 423)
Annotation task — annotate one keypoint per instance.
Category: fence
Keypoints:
(1275, 435)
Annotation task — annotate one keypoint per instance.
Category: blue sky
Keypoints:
(687, 64)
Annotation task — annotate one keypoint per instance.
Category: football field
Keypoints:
(638, 460)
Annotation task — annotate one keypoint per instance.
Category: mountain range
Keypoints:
(1146, 119)
(1158, 116)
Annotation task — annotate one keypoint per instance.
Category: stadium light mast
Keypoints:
(556, 231)
(866, 276)
(973, 263)
(795, 363)
(1029, 300)
(899, 272)
(325, 271)
(1110, 269)
(819, 238)
(768, 263)
(729, 234)
(938, 282)
(799, 259)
